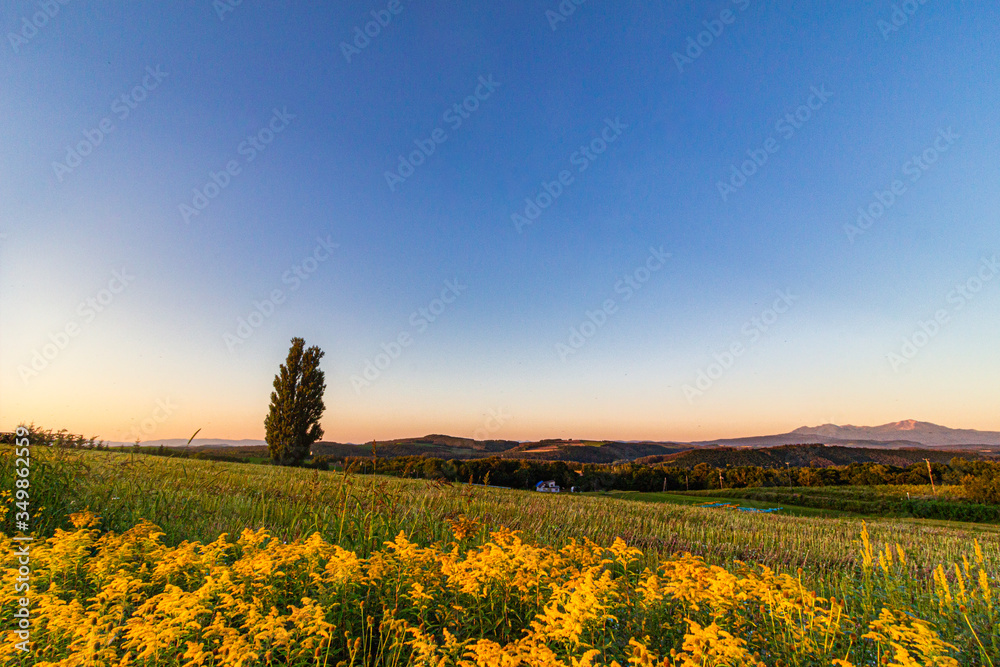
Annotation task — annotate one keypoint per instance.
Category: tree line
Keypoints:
(981, 479)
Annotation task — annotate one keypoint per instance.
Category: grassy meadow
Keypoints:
(941, 502)
(187, 562)
(695, 498)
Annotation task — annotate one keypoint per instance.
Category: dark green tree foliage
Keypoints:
(292, 423)
(978, 476)
(982, 482)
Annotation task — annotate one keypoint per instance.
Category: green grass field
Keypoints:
(194, 500)
(695, 498)
(198, 500)
(902, 501)
(865, 493)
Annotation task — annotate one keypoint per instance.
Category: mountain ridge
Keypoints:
(926, 433)
(906, 434)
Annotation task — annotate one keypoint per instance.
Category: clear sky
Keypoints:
(620, 220)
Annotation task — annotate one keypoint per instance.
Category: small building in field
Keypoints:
(547, 487)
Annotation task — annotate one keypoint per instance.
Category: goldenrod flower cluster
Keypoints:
(128, 599)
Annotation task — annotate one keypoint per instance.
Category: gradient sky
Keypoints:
(157, 352)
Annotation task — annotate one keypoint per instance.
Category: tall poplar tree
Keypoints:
(292, 423)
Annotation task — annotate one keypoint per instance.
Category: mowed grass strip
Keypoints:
(943, 504)
(703, 498)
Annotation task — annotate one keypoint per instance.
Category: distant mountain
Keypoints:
(909, 433)
(197, 442)
(925, 433)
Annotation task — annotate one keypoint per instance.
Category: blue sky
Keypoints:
(312, 217)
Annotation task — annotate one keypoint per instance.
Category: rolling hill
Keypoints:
(448, 447)
(896, 443)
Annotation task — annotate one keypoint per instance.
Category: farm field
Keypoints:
(694, 498)
(947, 502)
(951, 492)
(370, 570)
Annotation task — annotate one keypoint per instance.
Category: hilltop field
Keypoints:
(164, 561)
